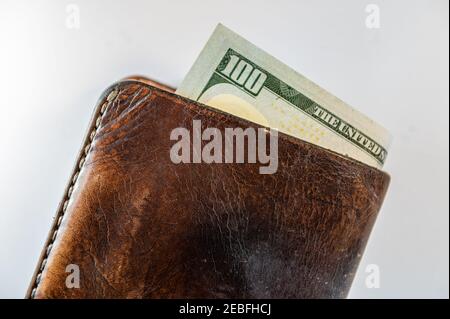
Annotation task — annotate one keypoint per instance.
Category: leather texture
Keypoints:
(139, 226)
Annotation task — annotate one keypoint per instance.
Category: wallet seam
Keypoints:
(87, 146)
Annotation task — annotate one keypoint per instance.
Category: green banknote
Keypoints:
(233, 75)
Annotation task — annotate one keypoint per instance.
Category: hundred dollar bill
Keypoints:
(233, 75)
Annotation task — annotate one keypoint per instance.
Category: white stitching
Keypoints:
(74, 179)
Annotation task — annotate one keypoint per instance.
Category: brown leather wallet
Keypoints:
(139, 226)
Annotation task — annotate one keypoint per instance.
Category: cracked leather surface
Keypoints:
(139, 226)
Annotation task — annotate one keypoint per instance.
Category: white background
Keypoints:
(51, 77)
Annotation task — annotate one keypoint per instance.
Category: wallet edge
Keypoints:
(101, 105)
